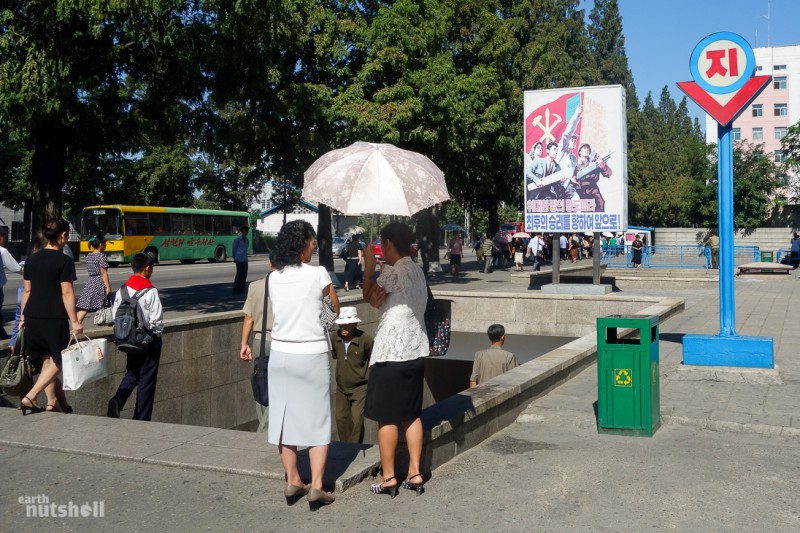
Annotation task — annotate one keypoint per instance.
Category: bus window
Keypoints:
(222, 225)
(101, 220)
(238, 222)
(137, 224)
(181, 224)
(159, 223)
(202, 224)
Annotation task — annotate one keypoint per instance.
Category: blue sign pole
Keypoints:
(722, 64)
(727, 307)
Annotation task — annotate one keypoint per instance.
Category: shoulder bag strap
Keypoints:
(264, 317)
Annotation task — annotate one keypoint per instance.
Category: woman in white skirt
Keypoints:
(299, 373)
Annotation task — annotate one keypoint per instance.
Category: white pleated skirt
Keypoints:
(299, 399)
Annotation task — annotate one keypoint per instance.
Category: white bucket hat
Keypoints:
(348, 315)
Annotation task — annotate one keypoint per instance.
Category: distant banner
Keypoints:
(575, 175)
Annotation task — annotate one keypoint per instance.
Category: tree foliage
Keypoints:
(203, 101)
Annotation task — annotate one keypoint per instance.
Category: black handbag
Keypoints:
(16, 378)
(259, 380)
(437, 324)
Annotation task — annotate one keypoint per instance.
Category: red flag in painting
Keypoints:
(547, 123)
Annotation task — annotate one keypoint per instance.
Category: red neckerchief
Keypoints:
(138, 283)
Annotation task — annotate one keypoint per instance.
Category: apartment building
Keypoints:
(769, 116)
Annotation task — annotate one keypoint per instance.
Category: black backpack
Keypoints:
(130, 334)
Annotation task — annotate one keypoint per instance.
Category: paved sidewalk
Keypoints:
(718, 398)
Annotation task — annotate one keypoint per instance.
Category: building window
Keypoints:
(780, 133)
(758, 110)
(758, 134)
(779, 67)
(779, 82)
(737, 134)
(780, 156)
(782, 180)
(759, 68)
(780, 110)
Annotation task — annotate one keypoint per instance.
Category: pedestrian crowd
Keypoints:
(377, 376)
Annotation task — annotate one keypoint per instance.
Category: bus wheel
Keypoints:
(153, 252)
(187, 261)
(219, 254)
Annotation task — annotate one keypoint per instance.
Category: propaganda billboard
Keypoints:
(575, 161)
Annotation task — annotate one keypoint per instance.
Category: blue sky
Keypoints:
(661, 34)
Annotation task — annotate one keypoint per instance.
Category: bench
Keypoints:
(573, 273)
(750, 268)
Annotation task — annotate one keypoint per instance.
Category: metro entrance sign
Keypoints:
(722, 66)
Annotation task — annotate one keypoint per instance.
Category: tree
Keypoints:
(90, 81)
(754, 183)
(790, 145)
(667, 160)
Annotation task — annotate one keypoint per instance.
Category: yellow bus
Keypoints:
(166, 233)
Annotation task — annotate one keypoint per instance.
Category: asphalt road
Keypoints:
(199, 288)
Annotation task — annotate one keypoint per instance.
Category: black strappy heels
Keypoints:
(33, 408)
(56, 408)
(380, 488)
(419, 488)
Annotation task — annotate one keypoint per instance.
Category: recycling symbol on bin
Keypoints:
(622, 377)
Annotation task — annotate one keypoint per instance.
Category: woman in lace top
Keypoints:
(394, 390)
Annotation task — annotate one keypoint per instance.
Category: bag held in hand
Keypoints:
(16, 379)
(83, 362)
(327, 315)
(437, 324)
(130, 334)
(104, 315)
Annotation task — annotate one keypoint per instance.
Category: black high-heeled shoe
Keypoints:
(56, 408)
(419, 488)
(293, 493)
(318, 498)
(33, 408)
(380, 488)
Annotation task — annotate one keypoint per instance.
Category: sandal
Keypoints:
(419, 488)
(33, 408)
(56, 408)
(380, 488)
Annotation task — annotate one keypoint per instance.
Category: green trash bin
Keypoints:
(628, 400)
(766, 257)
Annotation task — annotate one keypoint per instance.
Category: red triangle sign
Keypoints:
(724, 114)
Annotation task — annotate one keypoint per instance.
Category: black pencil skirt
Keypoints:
(394, 391)
(46, 336)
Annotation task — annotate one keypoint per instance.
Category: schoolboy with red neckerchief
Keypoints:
(142, 369)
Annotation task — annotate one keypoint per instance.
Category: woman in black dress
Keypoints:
(354, 260)
(48, 312)
(637, 252)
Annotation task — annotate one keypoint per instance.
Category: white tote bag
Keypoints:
(83, 362)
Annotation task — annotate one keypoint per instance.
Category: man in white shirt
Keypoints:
(6, 263)
(535, 247)
(562, 245)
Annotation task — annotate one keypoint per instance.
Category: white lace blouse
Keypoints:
(401, 334)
